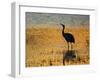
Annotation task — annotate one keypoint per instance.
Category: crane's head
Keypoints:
(62, 25)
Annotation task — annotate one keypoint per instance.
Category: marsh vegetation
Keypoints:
(45, 46)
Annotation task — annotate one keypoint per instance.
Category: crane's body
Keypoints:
(69, 37)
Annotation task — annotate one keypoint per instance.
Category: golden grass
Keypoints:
(45, 46)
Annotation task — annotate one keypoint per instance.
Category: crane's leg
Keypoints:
(68, 46)
(71, 46)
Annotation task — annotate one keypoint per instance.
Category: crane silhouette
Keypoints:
(68, 37)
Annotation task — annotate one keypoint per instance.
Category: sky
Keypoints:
(33, 18)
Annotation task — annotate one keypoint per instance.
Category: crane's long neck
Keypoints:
(63, 30)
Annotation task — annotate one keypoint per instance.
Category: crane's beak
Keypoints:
(61, 24)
